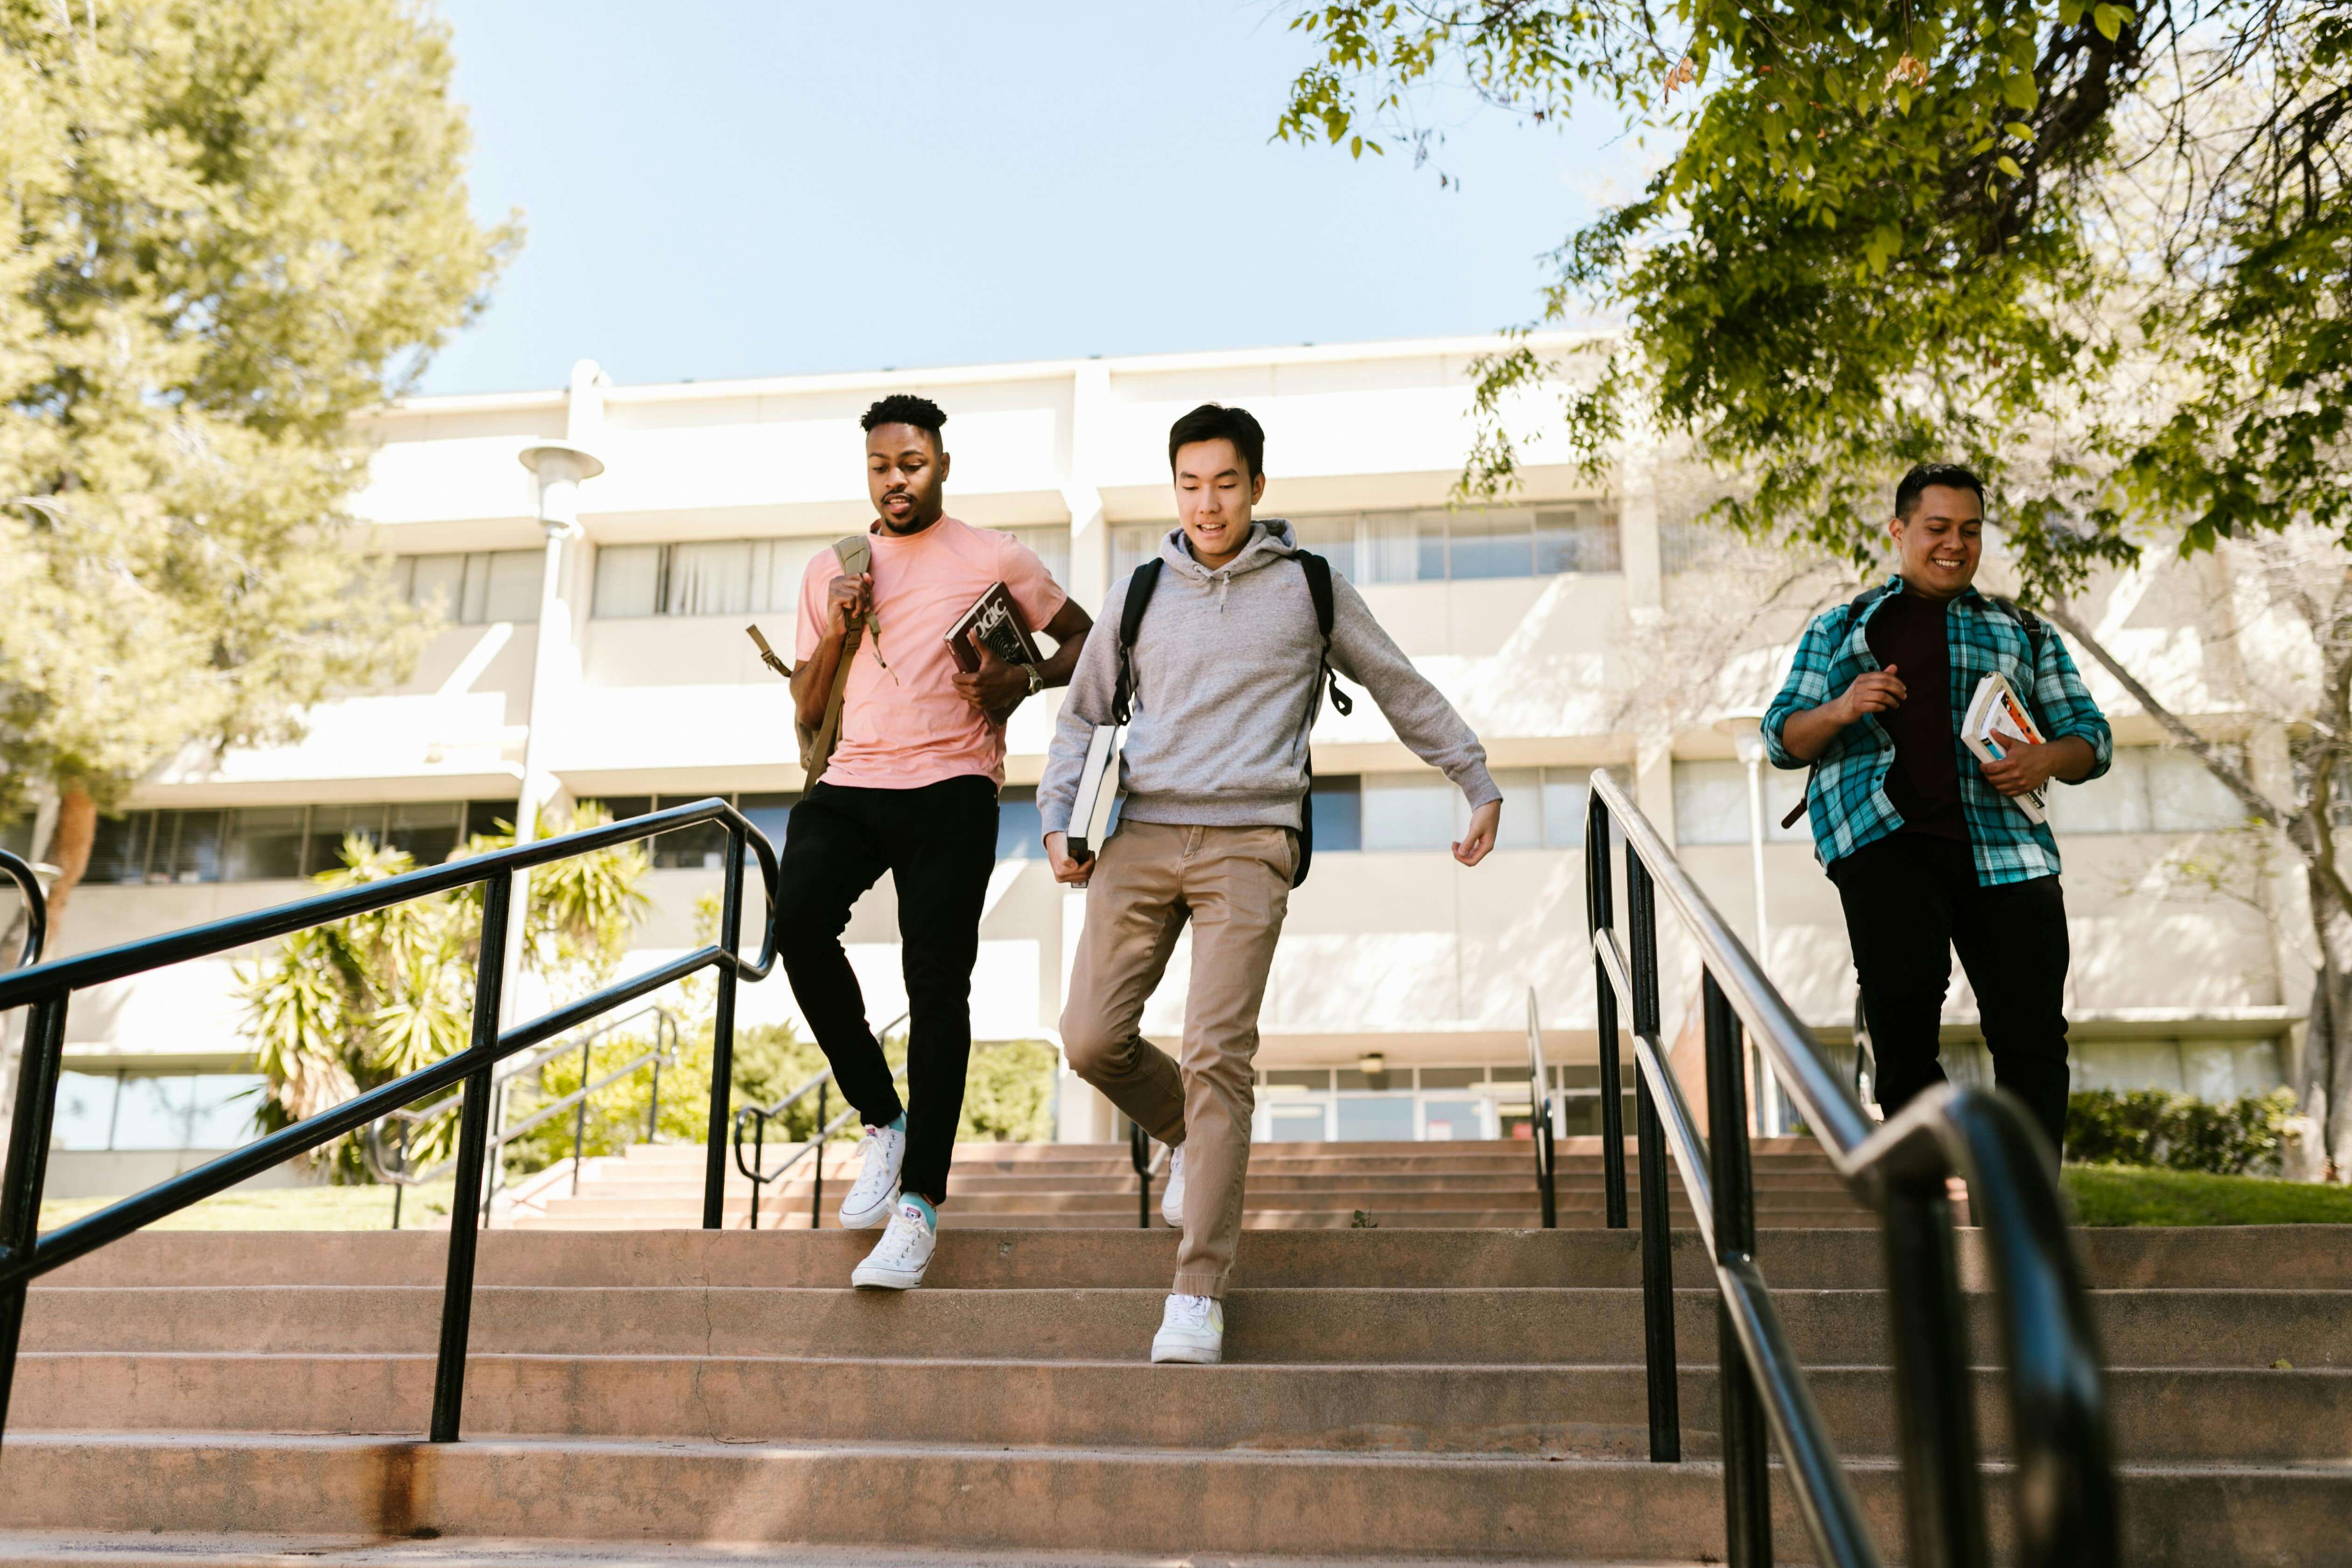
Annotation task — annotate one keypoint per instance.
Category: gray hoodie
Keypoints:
(1224, 672)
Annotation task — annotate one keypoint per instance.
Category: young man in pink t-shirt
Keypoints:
(910, 790)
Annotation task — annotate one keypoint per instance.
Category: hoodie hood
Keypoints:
(1270, 540)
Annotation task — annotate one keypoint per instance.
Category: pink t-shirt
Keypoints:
(905, 726)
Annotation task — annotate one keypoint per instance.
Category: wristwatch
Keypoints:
(1037, 678)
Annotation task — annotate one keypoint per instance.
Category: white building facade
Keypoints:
(1399, 1001)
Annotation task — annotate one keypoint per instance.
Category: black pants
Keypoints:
(1910, 900)
(939, 844)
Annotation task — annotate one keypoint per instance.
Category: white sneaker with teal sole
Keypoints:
(1192, 1329)
(875, 1194)
(1171, 1201)
(900, 1259)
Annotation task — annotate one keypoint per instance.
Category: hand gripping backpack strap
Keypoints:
(1853, 608)
(1318, 588)
(856, 554)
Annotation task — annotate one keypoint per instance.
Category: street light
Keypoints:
(1746, 728)
(559, 467)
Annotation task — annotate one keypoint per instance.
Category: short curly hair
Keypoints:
(905, 408)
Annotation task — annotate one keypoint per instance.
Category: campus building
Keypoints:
(1400, 1002)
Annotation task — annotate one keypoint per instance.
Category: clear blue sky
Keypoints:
(718, 188)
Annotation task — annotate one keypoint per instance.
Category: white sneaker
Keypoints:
(899, 1260)
(1171, 1201)
(1192, 1329)
(876, 1192)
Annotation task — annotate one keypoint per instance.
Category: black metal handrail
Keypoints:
(2065, 1501)
(393, 1169)
(1539, 1130)
(757, 1117)
(36, 908)
(48, 988)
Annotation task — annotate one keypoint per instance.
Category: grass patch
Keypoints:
(2132, 1195)
(282, 1209)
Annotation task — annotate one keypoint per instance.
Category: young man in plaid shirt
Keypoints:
(1928, 850)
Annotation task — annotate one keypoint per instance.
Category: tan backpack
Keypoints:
(856, 554)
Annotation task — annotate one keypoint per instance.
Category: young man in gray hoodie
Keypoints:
(1226, 667)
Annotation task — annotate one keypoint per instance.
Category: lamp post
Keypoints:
(1746, 728)
(559, 467)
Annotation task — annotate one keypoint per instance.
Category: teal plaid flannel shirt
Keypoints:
(1847, 802)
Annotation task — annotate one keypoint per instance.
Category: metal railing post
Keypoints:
(1747, 1453)
(473, 1136)
(28, 1167)
(1934, 1405)
(722, 1035)
(579, 1117)
(817, 1157)
(1657, 1215)
(1600, 914)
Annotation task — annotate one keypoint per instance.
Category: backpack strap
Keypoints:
(1318, 588)
(1853, 608)
(1139, 585)
(856, 554)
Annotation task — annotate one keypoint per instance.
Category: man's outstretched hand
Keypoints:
(1073, 873)
(1475, 844)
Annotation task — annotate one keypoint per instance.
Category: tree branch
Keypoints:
(2294, 825)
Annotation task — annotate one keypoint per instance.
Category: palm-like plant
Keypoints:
(341, 1009)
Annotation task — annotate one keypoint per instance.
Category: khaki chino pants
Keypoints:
(1233, 885)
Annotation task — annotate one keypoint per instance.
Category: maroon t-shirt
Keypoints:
(1907, 632)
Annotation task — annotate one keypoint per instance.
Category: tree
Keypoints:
(343, 1008)
(239, 224)
(2102, 254)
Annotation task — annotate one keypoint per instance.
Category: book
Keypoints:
(1090, 810)
(993, 622)
(1995, 721)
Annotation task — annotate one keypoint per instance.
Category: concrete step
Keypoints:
(1589, 1412)
(2220, 1257)
(179, 1549)
(956, 1498)
(789, 1219)
(2238, 1328)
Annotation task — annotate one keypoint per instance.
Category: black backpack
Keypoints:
(1318, 588)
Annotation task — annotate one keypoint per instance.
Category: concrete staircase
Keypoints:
(208, 1399)
(1292, 1186)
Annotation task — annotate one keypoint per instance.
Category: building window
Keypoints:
(1132, 545)
(274, 842)
(476, 588)
(169, 1111)
(715, 577)
(2148, 789)
(1542, 808)
(1051, 545)
(1020, 825)
(1711, 804)
(1467, 544)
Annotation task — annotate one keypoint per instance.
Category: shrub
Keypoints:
(2153, 1127)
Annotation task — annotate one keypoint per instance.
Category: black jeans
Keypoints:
(939, 844)
(1910, 900)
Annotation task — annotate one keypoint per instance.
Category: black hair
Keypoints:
(1922, 475)
(1215, 422)
(905, 408)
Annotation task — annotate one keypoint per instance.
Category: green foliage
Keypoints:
(235, 228)
(1008, 1094)
(2102, 254)
(343, 1008)
(2121, 1194)
(2155, 1128)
